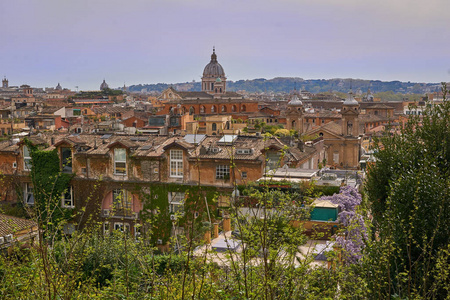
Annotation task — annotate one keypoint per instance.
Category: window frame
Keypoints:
(122, 227)
(63, 198)
(176, 202)
(176, 163)
(106, 228)
(66, 163)
(116, 161)
(121, 201)
(222, 172)
(28, 190)
(26, 159)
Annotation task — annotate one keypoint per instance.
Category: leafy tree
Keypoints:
(408, 193)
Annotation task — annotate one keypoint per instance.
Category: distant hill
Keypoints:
(287, 84)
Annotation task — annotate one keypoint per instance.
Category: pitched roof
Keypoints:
(11, 225)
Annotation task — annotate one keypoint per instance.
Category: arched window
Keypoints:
(227, 126)
(191, 110)
(214, 126)
(293, 124)
(233, 108)
(220, 90)
(243, 108)
(202, 109)
(213, 109)
(224, 108)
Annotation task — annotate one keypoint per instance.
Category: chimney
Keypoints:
(301, 146)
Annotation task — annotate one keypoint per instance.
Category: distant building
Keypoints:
(5, 83)
(104, 85)
(212, 100)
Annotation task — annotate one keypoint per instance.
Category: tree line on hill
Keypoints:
(288, 84)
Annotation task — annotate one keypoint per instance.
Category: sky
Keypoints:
(81, 42)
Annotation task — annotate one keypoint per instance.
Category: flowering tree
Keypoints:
(352, 243)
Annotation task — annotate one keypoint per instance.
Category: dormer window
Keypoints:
(176, 163)
(26, 159)
(66, 159)
(120, 161)
(243, 151)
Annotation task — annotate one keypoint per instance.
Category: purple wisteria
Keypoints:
(352, 242)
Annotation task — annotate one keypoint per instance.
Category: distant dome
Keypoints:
(295, 101)
(104, 85)
(213, 69)
(350, 100)
(58, 87)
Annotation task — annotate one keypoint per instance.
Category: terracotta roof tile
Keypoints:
(10, 225)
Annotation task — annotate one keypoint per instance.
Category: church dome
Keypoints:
(213, 69)
(295, 101)
(104, 85)
(58, 87)
(350, 100)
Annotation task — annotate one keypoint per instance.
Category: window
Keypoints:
(336, 158)
(105, 228)
(223, 172)
(137, 231)
(122, 203)
(120, 161)
(28, 194)
(202, 109)
(26, 159)
(176, 200)
(213, 109)
(214, 126)
(122, 227)
(243, 151)
(67, 198)
(176, 163)
(273, 160)
(244, 175)
(66, 159)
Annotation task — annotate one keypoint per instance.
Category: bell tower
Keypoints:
(5, 83)
(294, 116)
(350, 112)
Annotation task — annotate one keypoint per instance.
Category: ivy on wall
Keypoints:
(155, 198)
(49, 184)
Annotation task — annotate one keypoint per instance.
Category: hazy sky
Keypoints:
(81, 42)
